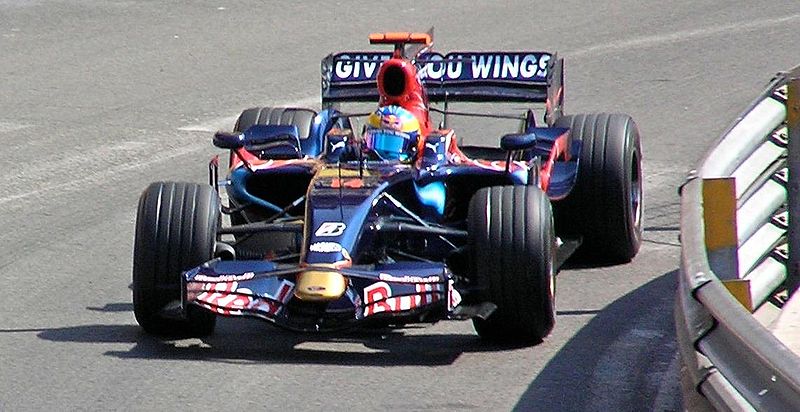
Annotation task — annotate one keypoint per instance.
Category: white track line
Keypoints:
(6, 127)
(212, 125)
(682, 36)
(105, 176)
(227, 122)
(133, 148)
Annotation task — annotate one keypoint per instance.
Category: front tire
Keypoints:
(176, 227)
(512, 240)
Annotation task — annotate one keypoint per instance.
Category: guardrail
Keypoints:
(729, 358)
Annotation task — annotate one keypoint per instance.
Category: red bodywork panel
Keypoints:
(560, 151)
(398, 85)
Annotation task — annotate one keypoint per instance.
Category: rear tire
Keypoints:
(284, 116)
(176, 228)
(512, 240)
(605, 207)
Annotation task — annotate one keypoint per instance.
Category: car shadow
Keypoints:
(251, 341)
(112, 307)
(639, 323)
(623, 359)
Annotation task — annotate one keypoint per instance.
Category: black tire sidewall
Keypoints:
(599, 208)
(176, 229)
(513, 250)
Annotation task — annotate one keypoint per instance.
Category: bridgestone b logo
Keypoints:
(330, 229)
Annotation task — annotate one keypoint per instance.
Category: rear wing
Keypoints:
(454, 77)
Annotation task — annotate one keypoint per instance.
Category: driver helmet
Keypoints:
(392, 133)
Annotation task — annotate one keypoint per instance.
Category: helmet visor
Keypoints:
(388, 144)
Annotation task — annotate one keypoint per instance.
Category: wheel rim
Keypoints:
(636, 192)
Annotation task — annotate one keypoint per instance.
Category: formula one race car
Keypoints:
(398, 223)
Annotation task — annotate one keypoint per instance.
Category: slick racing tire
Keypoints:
(283, 116)
(176, 227)
(605, 208)
(512, 243)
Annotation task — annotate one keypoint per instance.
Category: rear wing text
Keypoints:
(456, 76)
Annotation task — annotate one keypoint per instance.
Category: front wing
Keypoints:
(265, 290)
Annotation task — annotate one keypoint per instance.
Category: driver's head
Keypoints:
(392, 133)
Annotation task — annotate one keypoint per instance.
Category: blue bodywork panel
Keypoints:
(348, 196)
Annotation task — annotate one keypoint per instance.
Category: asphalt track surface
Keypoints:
(98, 99)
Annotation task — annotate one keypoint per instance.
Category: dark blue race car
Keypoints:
(391, 225)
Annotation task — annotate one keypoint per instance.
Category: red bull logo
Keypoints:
(391, 121)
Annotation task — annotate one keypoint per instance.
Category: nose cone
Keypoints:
(318, 285)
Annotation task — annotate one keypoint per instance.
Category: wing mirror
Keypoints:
(229, 140)
(518, 141)
(257, 135)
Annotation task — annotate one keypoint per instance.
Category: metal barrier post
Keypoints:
(793, 123)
